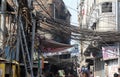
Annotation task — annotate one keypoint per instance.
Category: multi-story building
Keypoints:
(102, 16)
(57, 10)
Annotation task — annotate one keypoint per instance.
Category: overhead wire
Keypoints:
(102, 39)
(69, 28)
(43, 7)
(102, 52)
(59, 23)
(48, 12)
(91, 16)
(106, 43)
(109, 52)
(102, 20)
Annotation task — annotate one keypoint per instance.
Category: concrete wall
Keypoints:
(105, 21)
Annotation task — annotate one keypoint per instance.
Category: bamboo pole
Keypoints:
(33, 41)
(26, 48)
(23, 54)
(18, 44)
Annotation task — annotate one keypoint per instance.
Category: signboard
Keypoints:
(110, 52)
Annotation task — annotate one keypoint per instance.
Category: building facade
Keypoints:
(56, 10)
(101, 16)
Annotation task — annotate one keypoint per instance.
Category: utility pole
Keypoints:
(33, 41)
(81, 53)
(18, 37)
(3, 23)
(18, 44)
(117, 27)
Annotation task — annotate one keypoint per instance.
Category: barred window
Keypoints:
(107, 7)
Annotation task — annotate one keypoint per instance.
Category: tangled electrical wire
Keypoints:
(57, 25)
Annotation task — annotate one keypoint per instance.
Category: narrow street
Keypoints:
(39, 39)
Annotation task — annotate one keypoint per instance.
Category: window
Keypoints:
(107, 7)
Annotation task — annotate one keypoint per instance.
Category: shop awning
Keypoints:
(53, 46)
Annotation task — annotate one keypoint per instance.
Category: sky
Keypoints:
(72, 7)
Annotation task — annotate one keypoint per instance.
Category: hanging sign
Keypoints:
(110, 52)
